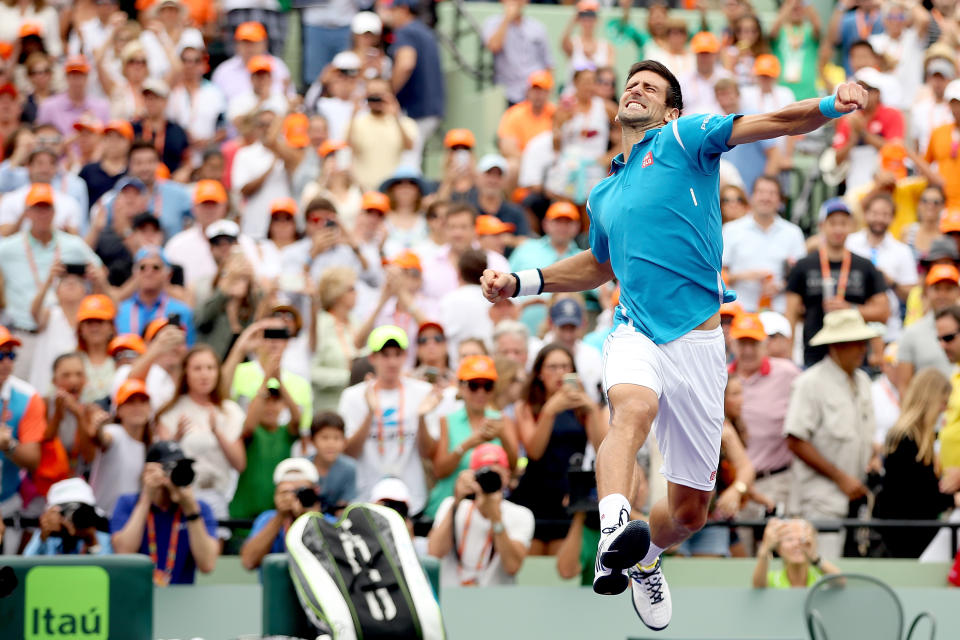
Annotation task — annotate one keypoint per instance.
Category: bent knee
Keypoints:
(691, 517)
(631, 408)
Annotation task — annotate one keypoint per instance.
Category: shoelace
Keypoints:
(623, 517)
(652, 583)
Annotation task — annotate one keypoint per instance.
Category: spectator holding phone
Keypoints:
(467, 427)
(379, 135)
(294, 493)
(555, 421)
(72, 524)
(481, 538)
(232, 307)
(56, 319)
(796, 543)
(165, 520)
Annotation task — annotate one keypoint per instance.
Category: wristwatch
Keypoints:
(191, 517)
(498, 528)
(12, 444)
(740, 486)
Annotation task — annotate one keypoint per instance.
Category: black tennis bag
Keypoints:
(359, 579)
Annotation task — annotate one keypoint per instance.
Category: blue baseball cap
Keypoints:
(833, 205)
(566, 312)
(129, 181)
(150, 252)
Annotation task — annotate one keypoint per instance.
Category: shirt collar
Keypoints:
(764, 367)
(618, 162)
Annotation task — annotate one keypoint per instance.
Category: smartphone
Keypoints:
(76, 269)
(344, 159)
(330, 224)
(176, 275)
(174, 319)
(281, 333)
(461, 158)
(571, 379)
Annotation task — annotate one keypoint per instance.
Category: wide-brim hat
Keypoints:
(845, 325)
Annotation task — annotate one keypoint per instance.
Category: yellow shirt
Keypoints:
(906, 194)
(915, 308)
(950, 434)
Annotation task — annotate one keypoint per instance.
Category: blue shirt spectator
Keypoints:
(421, 94)
(71, 525)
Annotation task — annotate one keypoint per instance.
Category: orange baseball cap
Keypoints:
(407, 260)
(30, 29)
(251, 32)
(40, 193)
(892, 157)
(96, 307)
(8, 338)
(87, 122)
(76, 64)
(260, 63)
(492, 225)
(330, 146)
(766, 65)
(127, 341)
(129, 388)
(6, 50)
(477, 368)
(704, 42)
(459, 138)
(295, 128)
(731, 309)
(562, 209)
(950, 222)
(376, 201)
(941, 272)
(154, 328)
(542, 79)
(122, 127)
(748, 325)
(283, 205)
(209, 191)
(488, 454)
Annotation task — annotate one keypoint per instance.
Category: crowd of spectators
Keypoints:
(229, 293)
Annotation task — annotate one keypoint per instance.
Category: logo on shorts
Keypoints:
(647, 160)
(713, 475)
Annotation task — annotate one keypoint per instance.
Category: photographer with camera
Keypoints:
(796, 543)
(71, 525)
(481, 538)
(166, 521)
(295, 493)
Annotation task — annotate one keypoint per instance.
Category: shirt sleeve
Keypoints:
(122, 510)
(875, 282)
(798, 246)
(33, 423)
(348, 410)
(442, 510)
(703, 138)
(599, 244)
(521, 526)
(208, 520)
(803, 412)
(797, 280)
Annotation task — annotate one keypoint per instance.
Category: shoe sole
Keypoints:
(611, 585)
(629, 547)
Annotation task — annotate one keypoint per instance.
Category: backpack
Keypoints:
(359, 579)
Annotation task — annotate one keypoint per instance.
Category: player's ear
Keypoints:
(671, 114)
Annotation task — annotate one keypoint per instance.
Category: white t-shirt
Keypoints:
(248, 102)
(160, 385)
(465, 313)
(250, 163)
(191, 250)
(199, 443)
(198, 112)
(391, 448)
(116, 471)
(338, 113)
(475, 534)
(56, 339)
(66, 210)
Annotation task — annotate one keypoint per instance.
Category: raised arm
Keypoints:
(581, 272)
(799, 117)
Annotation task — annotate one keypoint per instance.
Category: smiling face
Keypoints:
(69, 376)
(643, 104)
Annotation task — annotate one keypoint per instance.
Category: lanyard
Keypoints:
(162, 578)
(159, 140)
(865, 28)
(375, 410)
(487, 545)
(135, 314)
(28, 250)
(844, 271)
(794, 35)
(343, 336)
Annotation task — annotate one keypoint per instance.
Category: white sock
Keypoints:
(652, 554)
(611, 508)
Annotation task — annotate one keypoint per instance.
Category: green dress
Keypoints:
(265, 450)
(458, 430)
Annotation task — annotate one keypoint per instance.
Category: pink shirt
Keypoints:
(766, 395)
(440, 276)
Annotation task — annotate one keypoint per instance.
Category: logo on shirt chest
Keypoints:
(647, 160)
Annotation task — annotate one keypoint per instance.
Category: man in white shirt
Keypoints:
(260, 173)
(933, 111)
(891, 257)
(232, 76)
(760, 248)
(464, 312)
(262, 95)
(567, 326)
(196, 104)
(698, 94)
(481, 538)
(381, 416)
(42, 168)
(191, 248)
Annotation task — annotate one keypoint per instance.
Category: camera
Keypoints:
(281, 333)
(308, 497)
(180, 472)
(80, 515)
(489, 479)
(79, 269)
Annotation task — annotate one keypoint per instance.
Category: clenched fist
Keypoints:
(497, 285)
(850, 97)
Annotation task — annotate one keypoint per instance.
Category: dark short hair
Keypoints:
(63, 357)
(472, 264)
(319, 204)
(674, 95)
(869, 200)
(461, 207)
(862, 43)
(324, 420)
(952, 312)
(771, 179)
(139, 145)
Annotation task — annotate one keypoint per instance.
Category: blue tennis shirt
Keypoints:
(656, 218)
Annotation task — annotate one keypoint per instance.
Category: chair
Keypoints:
(846, 606)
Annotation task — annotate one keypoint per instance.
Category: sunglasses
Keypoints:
(732, 200)
(936, 201)
(192, 60)
(12, 355)
(39, 72)
(439, 339)
(223, 241)
(948, 338)
(151, 267)
(476, 385)
(137, 61)
(285, 217)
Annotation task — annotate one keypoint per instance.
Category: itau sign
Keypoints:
(67, 602)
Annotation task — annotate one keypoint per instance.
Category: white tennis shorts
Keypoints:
(689, 376)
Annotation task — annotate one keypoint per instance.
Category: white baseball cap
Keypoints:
(346, 61)
(871, 77)
(294, 469)
(952, 92)
(71, 490)
(366, 22)
(390, 489)
(223, 228)
(775, 324)
(492, 161)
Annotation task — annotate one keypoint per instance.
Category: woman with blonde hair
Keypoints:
(337, 337)
(912, 489)
(126, 93)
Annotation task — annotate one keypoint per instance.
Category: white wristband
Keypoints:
(529, 282)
